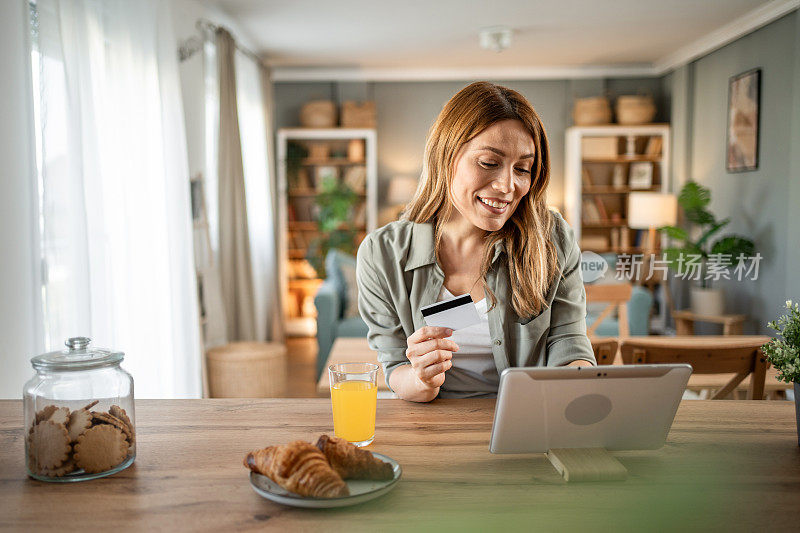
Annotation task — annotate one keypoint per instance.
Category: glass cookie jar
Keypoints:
(79, 414)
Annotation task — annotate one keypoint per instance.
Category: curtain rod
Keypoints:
(207, 29)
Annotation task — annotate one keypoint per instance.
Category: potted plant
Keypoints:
(784, 353)
(335, 205)
(694, 200)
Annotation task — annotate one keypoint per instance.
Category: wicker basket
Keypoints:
(591, 111)
(634, 109)
(247, 370)
(358, 115)
(318, 114)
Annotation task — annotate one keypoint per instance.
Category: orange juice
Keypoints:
(354, 410)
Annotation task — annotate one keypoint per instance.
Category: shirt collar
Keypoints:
(420, 250)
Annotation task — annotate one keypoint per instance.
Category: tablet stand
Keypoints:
(586, 464)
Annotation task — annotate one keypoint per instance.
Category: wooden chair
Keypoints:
(616, 295)
(708, 354)
(605, 349)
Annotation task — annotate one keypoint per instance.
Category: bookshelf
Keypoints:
(308, 157)
(603, 165)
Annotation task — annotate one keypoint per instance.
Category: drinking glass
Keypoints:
(354, 397)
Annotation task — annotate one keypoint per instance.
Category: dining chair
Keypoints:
(605, 349)
(616, 296)
(708, 354)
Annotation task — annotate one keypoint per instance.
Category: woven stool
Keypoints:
(247, 370)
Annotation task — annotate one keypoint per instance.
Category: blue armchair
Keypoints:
(638, 308)
(332, 300)
(638, 315)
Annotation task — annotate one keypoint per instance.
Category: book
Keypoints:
(619, 179)
(587, 178)
(654, 145)
(615, 237)
(601, 209)
(590, 212)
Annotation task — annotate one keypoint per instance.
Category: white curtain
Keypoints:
(254, 97)
(256, 158)
(116, 217)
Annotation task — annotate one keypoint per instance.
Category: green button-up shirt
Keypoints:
(397, 274)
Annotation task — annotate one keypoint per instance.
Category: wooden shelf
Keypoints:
(312, 226)
(605, 224)
(313, 192)
(300, 225)
(624, 159)
(299, 229)
(608, 250)
(305, 283)
(609, 189)
(330, 161)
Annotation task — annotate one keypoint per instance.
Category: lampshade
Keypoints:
(651, 210)
(401, 190)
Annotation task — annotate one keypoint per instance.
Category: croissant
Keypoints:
(298, 467)
(352, 462)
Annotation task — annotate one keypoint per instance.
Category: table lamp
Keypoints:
(651, 210)
(401, 190)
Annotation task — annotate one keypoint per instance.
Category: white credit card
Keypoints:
(455, 313)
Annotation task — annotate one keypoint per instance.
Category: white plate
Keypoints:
(360, 490)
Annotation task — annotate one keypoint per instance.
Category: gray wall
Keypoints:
(763, 204)
(19, 311)
(406, 111)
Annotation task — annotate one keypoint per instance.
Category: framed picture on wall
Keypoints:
(744, 93)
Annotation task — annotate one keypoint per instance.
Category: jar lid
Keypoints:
(77, 356)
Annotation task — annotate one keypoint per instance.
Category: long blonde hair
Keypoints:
(532, 260)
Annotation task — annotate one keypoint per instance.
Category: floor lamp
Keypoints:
(652, 210)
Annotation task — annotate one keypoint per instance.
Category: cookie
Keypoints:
(67, 467)
(79, 421)
(106, 418)
(120, 413)
(100, 448)
(45, 413)
(60, 416)
(87, 407)
(48, 445)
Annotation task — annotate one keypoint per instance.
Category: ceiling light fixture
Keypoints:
(496, 38)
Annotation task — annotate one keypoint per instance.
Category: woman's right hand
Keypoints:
(431, 354)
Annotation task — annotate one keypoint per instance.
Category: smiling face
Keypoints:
(492, 173)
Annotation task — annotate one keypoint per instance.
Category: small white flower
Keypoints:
(788, 304)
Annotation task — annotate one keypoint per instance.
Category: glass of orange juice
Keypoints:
(354, 396)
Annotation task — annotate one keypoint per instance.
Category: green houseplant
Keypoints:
(335, 202)
(702, 240)
(784, 353)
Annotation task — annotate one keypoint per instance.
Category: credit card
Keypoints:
(455, 313)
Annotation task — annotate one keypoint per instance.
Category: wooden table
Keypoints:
(726, 465)
(684, 322)
(351, 350)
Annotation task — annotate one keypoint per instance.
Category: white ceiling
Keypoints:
(637, 35)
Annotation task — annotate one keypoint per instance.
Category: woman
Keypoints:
(478, 224)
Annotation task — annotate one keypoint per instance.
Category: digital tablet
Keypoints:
(628, 407)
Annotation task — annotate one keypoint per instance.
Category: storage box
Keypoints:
(599, 147)
(358, 115)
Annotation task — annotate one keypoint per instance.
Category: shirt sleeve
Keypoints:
(386, 334)
(567, 340)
